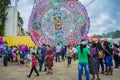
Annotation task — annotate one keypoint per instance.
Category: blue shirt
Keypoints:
(43, 51)
(5, 52)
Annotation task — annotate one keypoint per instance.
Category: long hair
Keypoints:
(99, 46)
(82, 47)
(106, 45)
(93, 44)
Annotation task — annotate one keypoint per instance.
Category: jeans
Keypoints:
(101, 64)
(74, 56)
(58, 57)
(116, 59)
(41, 64)
(62, 56)
(5, 61)
(119, 61)
(69, 61)
(40, 67)
(80, 71)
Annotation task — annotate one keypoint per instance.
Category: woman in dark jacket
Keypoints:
(108, 58)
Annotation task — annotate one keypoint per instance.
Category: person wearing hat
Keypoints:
(83, 53)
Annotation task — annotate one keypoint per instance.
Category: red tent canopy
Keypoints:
(94, 38)
(104, 39)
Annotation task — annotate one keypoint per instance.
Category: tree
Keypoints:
(3, 15)
(113, 34)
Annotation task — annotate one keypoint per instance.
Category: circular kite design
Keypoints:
(43, 40)
(72, 5)
(54, 21)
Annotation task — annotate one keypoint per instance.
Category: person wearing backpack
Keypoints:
(108, 52)
(100, 57)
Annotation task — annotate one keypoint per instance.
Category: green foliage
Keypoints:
(114, 34)
(3, 15)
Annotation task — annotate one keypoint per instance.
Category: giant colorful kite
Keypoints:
(54, 21)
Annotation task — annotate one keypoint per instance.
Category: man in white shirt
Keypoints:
(74, 50)
(58, 49)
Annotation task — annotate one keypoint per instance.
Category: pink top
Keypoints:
(22, 48)
(33, 61)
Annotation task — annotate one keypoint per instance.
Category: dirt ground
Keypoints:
(60, 72)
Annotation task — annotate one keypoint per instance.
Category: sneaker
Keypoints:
(47, 73)
(37, 75)
(102, 72)
(28, 76)
(111, 73)
(116, 67)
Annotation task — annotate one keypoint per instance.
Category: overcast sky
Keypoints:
(104, 14)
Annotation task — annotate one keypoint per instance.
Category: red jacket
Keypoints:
(33, 61)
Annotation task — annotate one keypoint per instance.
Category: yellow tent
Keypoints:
(19, 40)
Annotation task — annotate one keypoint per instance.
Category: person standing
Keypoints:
(108, 58)
(33, 65)
(64, 53)
(5, 56)
(74, 53)
(100, 57)
(49, 60)
(116, 57)
(43, 50)
(93, 61)
(58, 49)
(69, 55)
(83, 54)
(39, 57)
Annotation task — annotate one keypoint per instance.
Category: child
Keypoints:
(25, 62)
(18, 58)
(14, 56)
(33, 65)
(69, 55)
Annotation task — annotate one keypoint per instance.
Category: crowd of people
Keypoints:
(91, 55)
(95, 54)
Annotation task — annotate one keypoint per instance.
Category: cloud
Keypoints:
(25, 8)
(101, 20)
(104, 14)
(103, 24)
